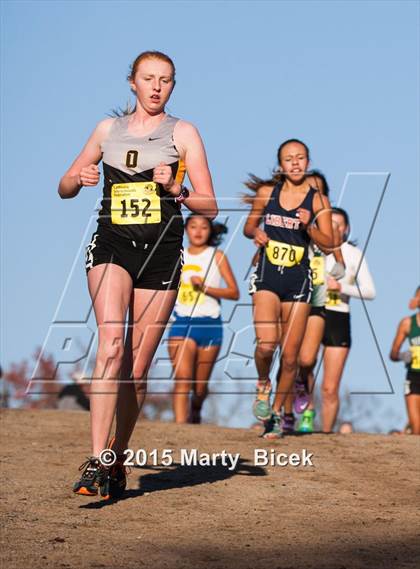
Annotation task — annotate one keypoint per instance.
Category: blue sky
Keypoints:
(343, 76)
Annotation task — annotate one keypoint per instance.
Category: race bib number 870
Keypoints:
(135, 203)
(283, 254)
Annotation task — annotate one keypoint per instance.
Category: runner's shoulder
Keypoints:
(320, 201)
(105, 124)
(263, 195)
(352, 251)
(219, 256)
(186, 135)
(185, 129)
(405, 324)
(103, 128)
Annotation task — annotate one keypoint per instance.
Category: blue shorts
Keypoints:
(205, 331)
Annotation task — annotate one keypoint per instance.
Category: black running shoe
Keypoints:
(116, 480)
(94, 477)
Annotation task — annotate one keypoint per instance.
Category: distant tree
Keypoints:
(28, 394)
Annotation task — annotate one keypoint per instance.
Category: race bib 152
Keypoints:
(135, 203)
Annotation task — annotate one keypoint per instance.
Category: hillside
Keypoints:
(354, 508)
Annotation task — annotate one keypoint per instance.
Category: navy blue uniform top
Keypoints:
(284, 226)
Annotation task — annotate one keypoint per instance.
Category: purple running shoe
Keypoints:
(288, 423)
(302, 398)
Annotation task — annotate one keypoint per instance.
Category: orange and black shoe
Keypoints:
(94, 477)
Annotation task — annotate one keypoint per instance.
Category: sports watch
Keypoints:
(183, 194)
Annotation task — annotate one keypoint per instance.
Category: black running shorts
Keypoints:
(337, 332)
(412, 383)
(151, 266)
(318, 311)
(290, 284)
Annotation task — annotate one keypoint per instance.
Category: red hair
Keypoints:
(150, 55)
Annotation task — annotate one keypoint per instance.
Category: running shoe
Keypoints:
(288, 423)
(195, 413)
(302, 398)
(116, 481)
(273, 427)
(262, 407)
(306, 424)
(195, 416)
(94, 477)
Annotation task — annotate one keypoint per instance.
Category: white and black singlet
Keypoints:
(140, 225)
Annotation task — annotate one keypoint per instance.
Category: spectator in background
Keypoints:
(74, 396)
(346, 428)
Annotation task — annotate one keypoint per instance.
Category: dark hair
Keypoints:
(318, 174)
(217, 230)
(290, 141)
(254, 183)
(129, 108)
(343, 213)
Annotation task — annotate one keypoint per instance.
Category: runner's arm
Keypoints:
(366, 287)
(252, 228)
(321, 232)
(191, 148)
(400, 337)
(84, 170)
(231, 291)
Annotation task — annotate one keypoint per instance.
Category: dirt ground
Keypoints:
(356, 507)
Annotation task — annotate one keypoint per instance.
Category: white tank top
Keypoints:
(192, 303)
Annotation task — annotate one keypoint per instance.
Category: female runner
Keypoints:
(196, 334)
(357, 282)
(315, 326)
(409, 329)
(282, 284)
(135, 256)
(301, 401)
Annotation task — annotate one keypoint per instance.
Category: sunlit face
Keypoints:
(153, 84)
(340, 227)
(294, 161)
(198, 231)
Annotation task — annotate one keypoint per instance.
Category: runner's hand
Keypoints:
(304, 216)
(89, 176)
(405, 357)
(162, 175)
(260, 237)
(332, 284)
(338, 271)
(197, 282)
